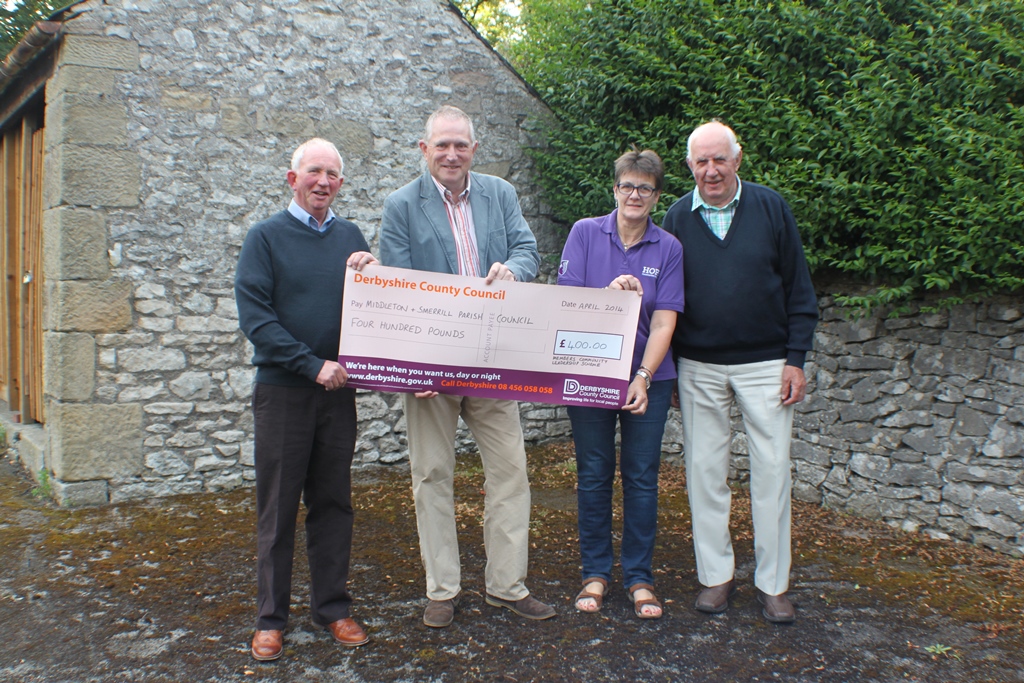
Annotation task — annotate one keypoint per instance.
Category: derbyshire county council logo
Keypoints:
(571, 387)
(563, 266)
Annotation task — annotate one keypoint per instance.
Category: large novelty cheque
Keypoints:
(412, 330)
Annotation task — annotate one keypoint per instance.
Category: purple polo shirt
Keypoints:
(594, 256)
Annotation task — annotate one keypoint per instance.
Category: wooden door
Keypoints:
(21, 332)
(32, 284)
(10, 338)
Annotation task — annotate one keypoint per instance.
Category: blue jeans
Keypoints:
(593, 431)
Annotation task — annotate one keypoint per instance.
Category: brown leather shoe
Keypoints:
(348, 632)
(440, 613)
(267, 645)
(715, 600)
(529, 607)
(777, 608)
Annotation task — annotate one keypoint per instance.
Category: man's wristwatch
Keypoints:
(646, 374)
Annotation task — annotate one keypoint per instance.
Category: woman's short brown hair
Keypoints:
(646, 162)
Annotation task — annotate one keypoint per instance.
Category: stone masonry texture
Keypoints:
(170, 126)
(169, 129)
(917, 420)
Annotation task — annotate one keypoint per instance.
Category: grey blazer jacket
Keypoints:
(415, 233)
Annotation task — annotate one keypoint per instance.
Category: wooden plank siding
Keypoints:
(10, 340)
(32, 292)
(21, 331)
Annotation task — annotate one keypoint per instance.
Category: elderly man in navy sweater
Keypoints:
(288, 288)
(749, 323)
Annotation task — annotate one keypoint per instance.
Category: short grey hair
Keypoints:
(447, 112)
(300, 152)
(734, 145)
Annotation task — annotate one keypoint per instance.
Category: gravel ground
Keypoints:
(164, 591)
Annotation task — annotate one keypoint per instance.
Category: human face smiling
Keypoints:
(632, 207)
(714, 165)
(449, 153)
(316, 183)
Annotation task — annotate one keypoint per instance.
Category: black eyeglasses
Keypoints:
(626, 189)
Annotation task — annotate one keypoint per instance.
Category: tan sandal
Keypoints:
(596, 597)
(638, 605)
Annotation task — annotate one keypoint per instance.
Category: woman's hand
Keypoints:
(636, 396)
(627, 282)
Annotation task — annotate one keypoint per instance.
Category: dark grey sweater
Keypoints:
(288, 289)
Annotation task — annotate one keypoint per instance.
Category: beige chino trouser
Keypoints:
(498, 432)
(706, 392)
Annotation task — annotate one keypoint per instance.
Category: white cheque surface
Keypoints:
(410, 330)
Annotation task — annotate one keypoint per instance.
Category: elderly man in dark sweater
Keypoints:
(749, 322)
(288, 288)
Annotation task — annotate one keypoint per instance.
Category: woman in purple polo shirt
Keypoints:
(626, 250)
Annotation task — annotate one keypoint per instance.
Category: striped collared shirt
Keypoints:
(719, 219)
(460, 218)
(304, 216)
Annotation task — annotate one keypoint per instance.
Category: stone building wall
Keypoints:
(169, 128)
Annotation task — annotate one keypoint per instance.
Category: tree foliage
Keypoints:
(895, 128)
(496, 20)
(14, 22)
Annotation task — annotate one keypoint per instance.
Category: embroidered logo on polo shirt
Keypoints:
(563, 266)
(651, 272)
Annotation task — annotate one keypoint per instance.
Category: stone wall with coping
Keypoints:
(918, 420)
(169, 126)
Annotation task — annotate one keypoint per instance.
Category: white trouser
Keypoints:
(706, 392)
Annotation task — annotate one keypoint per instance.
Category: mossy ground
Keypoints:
(164, 591)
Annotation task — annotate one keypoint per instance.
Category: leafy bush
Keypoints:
(894, 128)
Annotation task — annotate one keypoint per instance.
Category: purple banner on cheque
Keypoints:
(520, 385)
(408, 330)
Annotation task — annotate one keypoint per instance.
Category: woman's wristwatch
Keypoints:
(646, 374)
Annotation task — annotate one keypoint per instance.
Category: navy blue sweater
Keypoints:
(288, 289)
(749, 297)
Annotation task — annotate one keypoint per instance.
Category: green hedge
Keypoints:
(894, 129)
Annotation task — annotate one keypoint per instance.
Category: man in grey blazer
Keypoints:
(453, 221)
